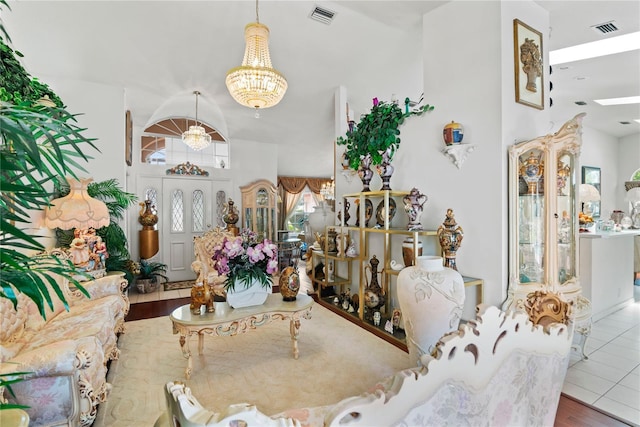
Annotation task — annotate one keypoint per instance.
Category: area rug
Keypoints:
(337, 359)
(183, 284)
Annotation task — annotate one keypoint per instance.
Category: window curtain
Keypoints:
(290, 189)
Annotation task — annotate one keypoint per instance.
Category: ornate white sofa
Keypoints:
(499, 370)
(203, 265)
(66, 353)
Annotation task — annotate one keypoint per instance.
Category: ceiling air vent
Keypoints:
(606, 28)
(322, 15)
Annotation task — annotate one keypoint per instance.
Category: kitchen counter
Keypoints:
(607, 269)
(609, 234)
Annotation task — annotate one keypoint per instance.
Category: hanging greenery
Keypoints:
(378, 131)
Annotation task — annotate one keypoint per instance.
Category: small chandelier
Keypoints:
(328, 190)
(256, 84)
(196, 137)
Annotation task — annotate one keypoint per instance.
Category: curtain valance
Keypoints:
(295, 184)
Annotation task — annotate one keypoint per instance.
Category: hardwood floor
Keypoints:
(571, 413)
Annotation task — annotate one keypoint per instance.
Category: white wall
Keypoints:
(602, 151)
(469, 79)
(628, 163)
(101, 109)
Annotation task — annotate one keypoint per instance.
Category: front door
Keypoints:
(189, 208)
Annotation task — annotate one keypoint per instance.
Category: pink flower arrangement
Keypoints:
(244, 259)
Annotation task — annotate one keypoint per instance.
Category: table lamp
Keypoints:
(84, 213)
(587, 193)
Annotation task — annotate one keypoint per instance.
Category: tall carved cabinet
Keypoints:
(259, 208)
(543, 221)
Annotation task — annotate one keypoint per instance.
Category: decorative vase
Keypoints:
(364, 172)
(408, 254)
(413, 206)
(289, 284)
(342, 243)
(531, 170)
(385, 170)
(231, 217)
(347, 216)
(147, 217)
(450, 235)
(247, 296)
(374, 297)
(431, 299)
(148, 236)
(453, 133)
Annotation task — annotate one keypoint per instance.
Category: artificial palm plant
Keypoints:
(39, 144)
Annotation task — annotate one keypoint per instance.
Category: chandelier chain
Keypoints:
(257, 17)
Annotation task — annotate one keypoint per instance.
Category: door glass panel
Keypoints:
(566, 217)
(197, 211)
(177, 211)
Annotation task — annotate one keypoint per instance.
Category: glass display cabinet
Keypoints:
(543, 220)
(259, 208)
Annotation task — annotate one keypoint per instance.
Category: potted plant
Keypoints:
(39, 142)
(374, 141)
(248, 262)
(147, 274)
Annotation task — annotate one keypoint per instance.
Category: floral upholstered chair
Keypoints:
(203, 266)
(499, 370)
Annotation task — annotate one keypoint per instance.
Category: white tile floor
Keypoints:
(610, 378)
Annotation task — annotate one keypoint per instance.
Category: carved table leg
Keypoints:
(201, 343)
(184, 345)
(294, 327)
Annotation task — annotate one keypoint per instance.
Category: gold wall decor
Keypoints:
(528, 65)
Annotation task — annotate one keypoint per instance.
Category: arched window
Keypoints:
(161, 144)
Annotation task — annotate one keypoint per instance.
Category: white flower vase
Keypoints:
(431, 299)
(247, 296)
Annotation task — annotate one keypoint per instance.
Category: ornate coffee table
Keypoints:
(227, 321)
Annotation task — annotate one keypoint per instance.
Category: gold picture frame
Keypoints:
(528, 65)
(128, 138)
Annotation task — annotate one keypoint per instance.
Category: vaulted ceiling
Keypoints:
(160, 52)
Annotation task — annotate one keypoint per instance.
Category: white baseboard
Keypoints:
(597, 316)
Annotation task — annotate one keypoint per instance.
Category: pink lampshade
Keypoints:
(77, 209)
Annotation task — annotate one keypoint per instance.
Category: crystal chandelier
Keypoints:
(328, 190)
(256, 84)
(196, 137)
